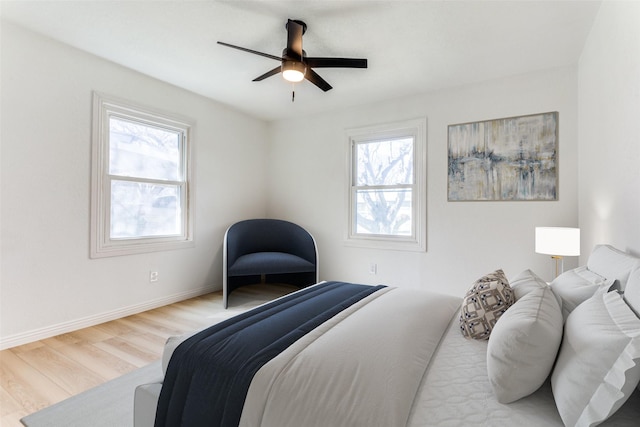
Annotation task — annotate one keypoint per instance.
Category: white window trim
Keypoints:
(418, 129)
(101, 244)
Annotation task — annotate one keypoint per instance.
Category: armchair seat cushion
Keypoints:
(270, 263)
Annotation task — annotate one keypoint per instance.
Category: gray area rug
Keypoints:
(108, 405)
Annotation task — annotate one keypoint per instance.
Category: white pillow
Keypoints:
(599, 362)
(632, 291)
(612, 263)
(170, 346)
(578, 285)
(524, 342)
(526, 282)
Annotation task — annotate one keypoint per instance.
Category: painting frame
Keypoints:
(506, 159)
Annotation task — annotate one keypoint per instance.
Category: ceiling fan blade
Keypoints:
(314, 78)
(268, 74)
(294, 38)
(336, 62)
(266, 55)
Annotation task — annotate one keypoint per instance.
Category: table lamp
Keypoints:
(558, 242)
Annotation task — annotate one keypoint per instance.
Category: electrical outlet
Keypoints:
(153, 276)
(373, 268)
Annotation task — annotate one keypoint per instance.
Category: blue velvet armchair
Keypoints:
(269, 250)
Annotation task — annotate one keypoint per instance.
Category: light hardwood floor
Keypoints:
(36, 375)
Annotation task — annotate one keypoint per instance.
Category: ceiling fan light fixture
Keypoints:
(295, 65)
(293, 71)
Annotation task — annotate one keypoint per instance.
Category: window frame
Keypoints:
(102, 245)
(415, 128)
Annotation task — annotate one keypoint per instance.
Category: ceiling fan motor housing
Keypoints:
(293, 55)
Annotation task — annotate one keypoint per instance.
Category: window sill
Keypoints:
(386, 244)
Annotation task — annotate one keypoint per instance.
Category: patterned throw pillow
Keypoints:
(488, 298)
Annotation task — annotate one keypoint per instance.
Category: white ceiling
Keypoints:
(412, 46)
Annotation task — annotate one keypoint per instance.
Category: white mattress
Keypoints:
(455, 391)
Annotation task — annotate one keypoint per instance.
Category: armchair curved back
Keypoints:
(268, 235)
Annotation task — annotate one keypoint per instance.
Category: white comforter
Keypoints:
(361, 368)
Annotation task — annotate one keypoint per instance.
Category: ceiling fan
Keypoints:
(295, 65)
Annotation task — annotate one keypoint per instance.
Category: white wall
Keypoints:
(48, 283)
(609, 129)
(465, 240)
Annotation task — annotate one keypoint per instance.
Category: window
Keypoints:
(387, 174)
(141, 196)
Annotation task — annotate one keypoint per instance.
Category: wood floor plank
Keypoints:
(60, 369)
(13, 419)
(151, 343)
(126, 351)
(198, 308)
(25, 347)
(61, 340)
(173, 325)
(91, 335)
(8, 405)
(101, 362)
(114, 328)
(154, 323)
(26, 385)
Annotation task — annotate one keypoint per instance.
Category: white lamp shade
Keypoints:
(560, 241)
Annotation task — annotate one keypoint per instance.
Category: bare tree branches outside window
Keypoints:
(383, 186)
(145, 163)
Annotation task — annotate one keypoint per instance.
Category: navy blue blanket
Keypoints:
(209, 374)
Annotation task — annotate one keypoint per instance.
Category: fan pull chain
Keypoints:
(293, 92)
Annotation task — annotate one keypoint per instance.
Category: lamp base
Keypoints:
(561, 262)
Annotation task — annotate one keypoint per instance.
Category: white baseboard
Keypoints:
(74, 325)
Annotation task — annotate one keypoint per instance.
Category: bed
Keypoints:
(397, 357)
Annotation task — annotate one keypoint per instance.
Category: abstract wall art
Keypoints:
(514, 158)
